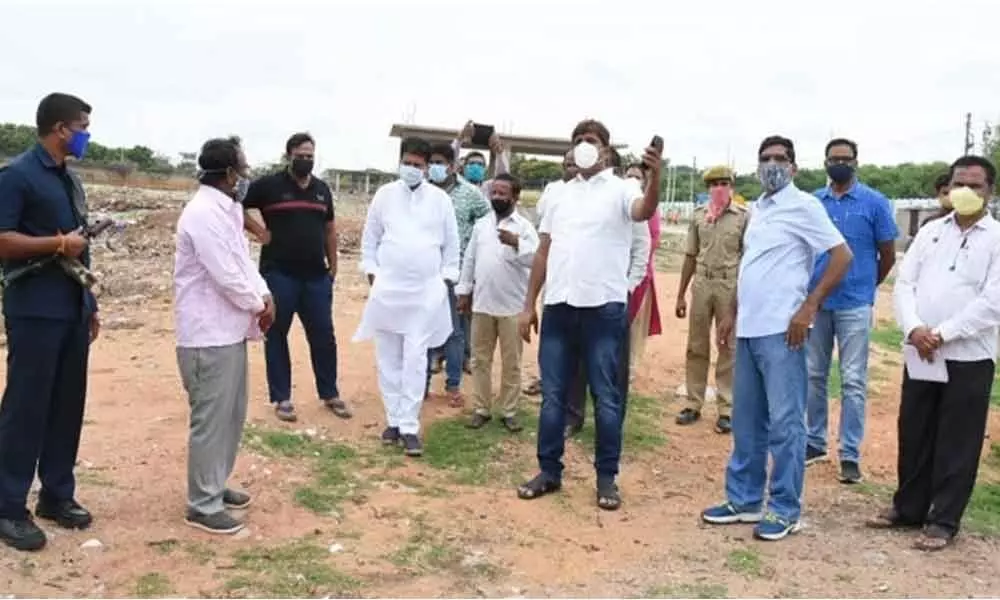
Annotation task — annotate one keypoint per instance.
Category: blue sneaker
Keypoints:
(773, 528)
(727, 514)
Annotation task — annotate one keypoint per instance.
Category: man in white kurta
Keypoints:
(409, 249)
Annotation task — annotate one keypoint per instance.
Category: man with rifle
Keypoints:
(51, 319)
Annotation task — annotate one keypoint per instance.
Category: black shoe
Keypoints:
(850, 472)
(66, 513)
(390, 436)
(477, 421)
(572, 431)
(220, 522)
(412, 445)
(235, 499)
(22, 534)
(512, 424)
(814, 455)
(723, 425)
(688, 416)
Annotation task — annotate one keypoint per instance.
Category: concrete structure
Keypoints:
(356, 182)
(520, 144)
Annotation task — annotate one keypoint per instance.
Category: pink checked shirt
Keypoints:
(218, 291)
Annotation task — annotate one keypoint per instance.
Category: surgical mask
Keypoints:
(965, 201)
(302, 167)
(585, 155)
(240, 189)
(475, 172)
(411, 176)
(774, 176)
(500, 206)
(77, 145)
(840, 173)
(437, 173)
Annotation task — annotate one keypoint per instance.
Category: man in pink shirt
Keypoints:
(220, 300)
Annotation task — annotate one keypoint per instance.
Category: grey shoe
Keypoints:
(220, 522)
(339, 408)
(236, 499)
(412, 445)
(850, 472)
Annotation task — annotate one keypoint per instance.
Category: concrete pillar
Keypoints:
(336, 182)
(368, 183)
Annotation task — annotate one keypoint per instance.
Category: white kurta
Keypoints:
(410, 245)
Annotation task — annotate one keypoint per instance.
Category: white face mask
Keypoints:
(411, 176)
(585, 155)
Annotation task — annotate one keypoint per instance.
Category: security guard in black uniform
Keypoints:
(51, 319)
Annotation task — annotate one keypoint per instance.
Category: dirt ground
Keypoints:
(336, 515)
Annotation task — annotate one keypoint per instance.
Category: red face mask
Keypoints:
(719, 198)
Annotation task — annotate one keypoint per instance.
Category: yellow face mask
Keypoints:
(965, 201)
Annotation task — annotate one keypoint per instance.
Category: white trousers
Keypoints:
(402, 378)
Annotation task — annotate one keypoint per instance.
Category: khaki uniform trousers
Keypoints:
(487, 330)
(711, 299)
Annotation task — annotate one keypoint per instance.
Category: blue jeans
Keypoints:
(769, 401)
(453, 349)
(312, 299)
(594, 336)
(851, 328)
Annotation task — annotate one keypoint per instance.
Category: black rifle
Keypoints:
(72, 266)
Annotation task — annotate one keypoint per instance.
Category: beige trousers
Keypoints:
(487, 331)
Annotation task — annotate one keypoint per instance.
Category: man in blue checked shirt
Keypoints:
(864, 217)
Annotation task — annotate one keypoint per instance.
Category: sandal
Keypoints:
(608, 496)
(541, 485)
(339, 408)
(889, 519)
(455, 399)
(534, 388)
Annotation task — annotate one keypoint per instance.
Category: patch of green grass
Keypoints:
(152, 585)
(688, 590)
(200, 552)
(745, 561)
(833, 385)
(887, 335)
(164, 546)
(334, 466)
(983, 514)
(295, 570)
(880, 491)
(643, 424)
(995, 390)
(480, 456)
(93, 479)
(427, 550)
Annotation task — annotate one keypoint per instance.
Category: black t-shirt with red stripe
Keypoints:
(296, 218)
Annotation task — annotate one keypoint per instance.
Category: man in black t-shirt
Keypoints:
(299, 262)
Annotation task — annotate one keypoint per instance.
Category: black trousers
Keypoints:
(42, 411)
(576, 405)
(941, 432)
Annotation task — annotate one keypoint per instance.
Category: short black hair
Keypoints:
(942, 181)
(59, 108)
(515, 183)
(475, 153)
(971, 160)
(415, 145)
(778, 140)
(842, 142)
(216, 156)
(592, 126)
(445, 150)
(297, 140)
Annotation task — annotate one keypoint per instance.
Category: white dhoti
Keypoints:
(407, 313)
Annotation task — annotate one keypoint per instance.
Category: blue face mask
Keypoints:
(410, 175)
(77, 145)
(475, 172)
(437, 173)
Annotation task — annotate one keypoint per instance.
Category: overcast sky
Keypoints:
(713, 77)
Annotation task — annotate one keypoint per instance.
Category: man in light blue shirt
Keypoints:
(865, 219)
(788, 228)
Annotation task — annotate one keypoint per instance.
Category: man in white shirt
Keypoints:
(220, 300)
(409, 250)
(583, 259)
(947, 301)
(495, 272)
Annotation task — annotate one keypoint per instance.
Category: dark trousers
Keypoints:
(594, 336)
(312, 299)
(453, 347)
(576, 404)
(42, 410)
(941, 431)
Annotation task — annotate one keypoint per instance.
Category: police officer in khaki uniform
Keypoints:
(714, 247)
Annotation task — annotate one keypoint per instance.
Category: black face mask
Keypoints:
(302, 167)
(501, 207)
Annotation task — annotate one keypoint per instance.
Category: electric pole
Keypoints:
(694, 167)
(968, 134)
